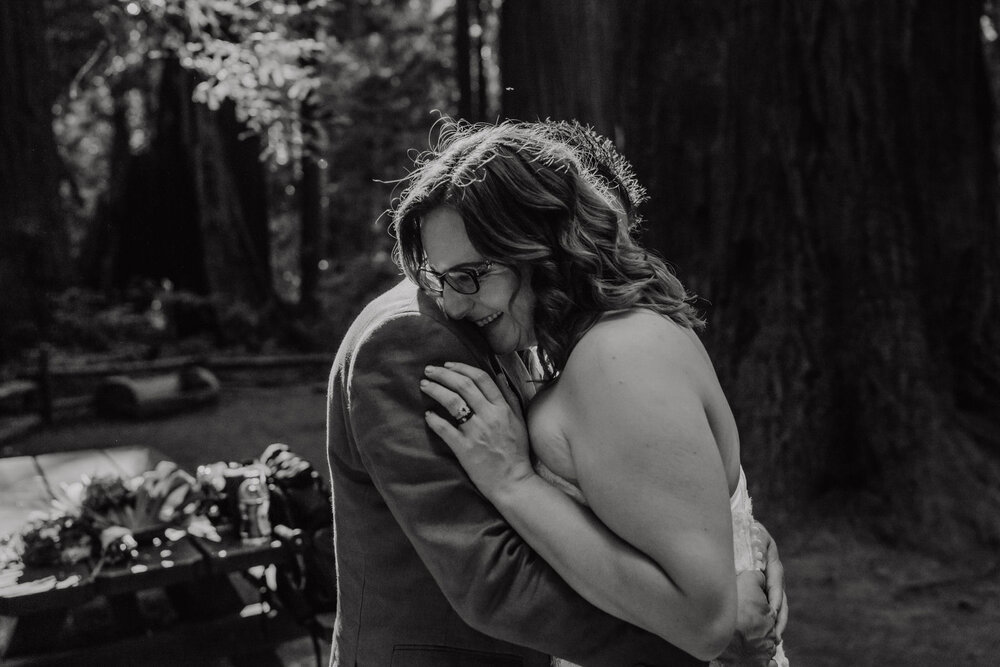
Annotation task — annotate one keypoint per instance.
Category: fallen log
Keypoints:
(177, 363)
(18, 397)
(156, 395)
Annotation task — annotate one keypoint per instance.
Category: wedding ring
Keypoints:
(464, 414)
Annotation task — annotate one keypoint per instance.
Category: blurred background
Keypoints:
(210, 178)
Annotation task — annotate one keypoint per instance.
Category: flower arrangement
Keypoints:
(53, 539)
(103, 517)
(160, 497)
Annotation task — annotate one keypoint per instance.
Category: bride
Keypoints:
(632, 487)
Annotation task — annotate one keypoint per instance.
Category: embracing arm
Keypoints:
(495, 582)
(657, 548)
(697, 613)
(648, 463)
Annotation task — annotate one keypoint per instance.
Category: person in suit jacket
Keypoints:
(428, 572)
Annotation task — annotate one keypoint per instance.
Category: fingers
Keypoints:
(468, 381)
(483, 380)
(773, 568)
(782, 617)
(775, 584)
(452, 402)
(760, 539)
(450, 434)
(755, 618)
(775, 587)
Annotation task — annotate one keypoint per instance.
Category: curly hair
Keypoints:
(552, 195)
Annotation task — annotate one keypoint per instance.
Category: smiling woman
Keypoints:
(554, 203)
(525, 231)
(501, 302)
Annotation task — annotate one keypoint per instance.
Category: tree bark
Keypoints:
(822, 173)
(34, 247)
(193, 209)
(463, 63)
(312, 191)
(232, 198)
(482, 82)
(557, 58)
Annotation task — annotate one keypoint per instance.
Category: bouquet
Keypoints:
(158, 498)
(48, 539)
(105, 517)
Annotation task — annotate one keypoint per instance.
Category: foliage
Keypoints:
(93, 514)
(360, 62)
(363, 277)
(51, 539)
(162, 496)
(351, 82)
(380, 91)
(151, 319)
(257, 53)
(87, 320)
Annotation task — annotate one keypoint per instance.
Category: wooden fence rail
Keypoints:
(177, 363)
(37, 388)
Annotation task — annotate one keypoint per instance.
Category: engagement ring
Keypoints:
(464, 414)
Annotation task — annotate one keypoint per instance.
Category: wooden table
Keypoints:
(29, 483)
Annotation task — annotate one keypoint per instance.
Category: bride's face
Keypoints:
(503, 306)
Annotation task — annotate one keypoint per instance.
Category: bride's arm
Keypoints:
(657, 548)
(696, 614)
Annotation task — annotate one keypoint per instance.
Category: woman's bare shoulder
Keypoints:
(624, 354)
(636, 338)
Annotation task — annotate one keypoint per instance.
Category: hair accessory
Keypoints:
(599, 154)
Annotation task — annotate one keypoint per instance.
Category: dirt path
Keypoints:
(852, 601)
(859, 603)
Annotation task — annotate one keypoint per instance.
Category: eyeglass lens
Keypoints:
(462, 281)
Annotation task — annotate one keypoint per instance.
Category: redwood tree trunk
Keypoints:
(463, 64)
(822, 173)
(557, 59)
(312, 200)
(231, 189)
(34, 251)
(193, 209)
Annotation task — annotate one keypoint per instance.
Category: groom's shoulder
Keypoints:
(401, 306)
(403, 315)
(405, 325)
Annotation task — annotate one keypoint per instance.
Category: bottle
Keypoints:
(254, 501)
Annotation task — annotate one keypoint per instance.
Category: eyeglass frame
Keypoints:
(475, 273)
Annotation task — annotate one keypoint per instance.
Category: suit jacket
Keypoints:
(428, 572)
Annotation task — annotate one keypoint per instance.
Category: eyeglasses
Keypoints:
(463, 281)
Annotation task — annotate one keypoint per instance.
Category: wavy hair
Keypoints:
(552, 195)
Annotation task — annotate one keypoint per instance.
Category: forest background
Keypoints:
(186, 176)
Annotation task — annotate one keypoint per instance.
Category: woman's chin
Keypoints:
(501, 344)
(502, 349)
(503, 340)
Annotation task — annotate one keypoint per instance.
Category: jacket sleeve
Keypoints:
(491, 577)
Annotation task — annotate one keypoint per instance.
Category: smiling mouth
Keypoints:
(486, 320)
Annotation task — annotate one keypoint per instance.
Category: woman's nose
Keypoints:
(455, 304)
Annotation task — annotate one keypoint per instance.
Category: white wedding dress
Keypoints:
(743, 543)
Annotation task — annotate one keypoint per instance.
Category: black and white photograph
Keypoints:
(499, 333)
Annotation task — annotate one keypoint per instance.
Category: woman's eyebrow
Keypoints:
(462, 265)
